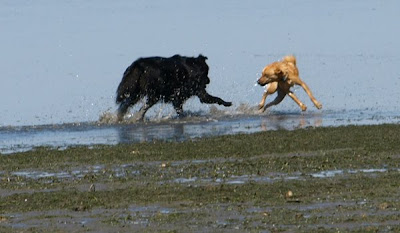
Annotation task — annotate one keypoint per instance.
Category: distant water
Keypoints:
(61, 62)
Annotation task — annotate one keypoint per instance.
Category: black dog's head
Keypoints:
(202, 70)
(202, 57)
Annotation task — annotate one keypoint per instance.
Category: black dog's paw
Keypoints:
(228, 104)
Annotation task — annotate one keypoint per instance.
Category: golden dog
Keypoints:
(281, 76)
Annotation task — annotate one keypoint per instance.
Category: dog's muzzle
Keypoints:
(261, 83)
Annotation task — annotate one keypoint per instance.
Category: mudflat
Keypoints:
(307, 180)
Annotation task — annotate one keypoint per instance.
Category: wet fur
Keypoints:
(172, 80)
(279, 77)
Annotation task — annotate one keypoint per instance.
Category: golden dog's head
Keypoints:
(277, 70)
(271, 73)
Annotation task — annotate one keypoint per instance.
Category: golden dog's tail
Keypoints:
(290, 59)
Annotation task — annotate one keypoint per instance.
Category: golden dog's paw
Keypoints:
(303, 107)
(261, 106)
(318, 105)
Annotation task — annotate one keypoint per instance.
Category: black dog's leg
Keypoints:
(124, 105)
(178, 106)
(123, 108)
(149, 103)
(209, 99)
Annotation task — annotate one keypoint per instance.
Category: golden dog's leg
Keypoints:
(296, 80)
(308, 91)
(277, 100)
(270, 89)
(263, 98)
(294, 97)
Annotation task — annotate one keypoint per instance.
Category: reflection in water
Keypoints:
(179, 131)
(291, 121)
(144, 133)
(170, 132)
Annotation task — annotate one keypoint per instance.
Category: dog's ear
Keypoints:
(202, 57)
(278, 71)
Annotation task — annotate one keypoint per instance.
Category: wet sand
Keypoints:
(305, 180)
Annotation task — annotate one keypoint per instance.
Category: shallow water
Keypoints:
(60, 73)
(136, 170)
(23, 138)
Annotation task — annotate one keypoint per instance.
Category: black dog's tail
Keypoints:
(129, 84)
(128, 92)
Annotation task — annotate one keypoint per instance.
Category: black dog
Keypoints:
(173, 79)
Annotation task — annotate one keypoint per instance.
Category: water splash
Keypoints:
(108, 118)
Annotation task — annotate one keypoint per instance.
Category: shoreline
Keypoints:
(191, 127)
